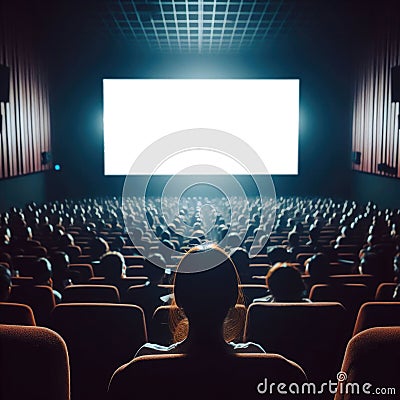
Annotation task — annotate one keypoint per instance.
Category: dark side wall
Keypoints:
(382, 190)
(23, 189)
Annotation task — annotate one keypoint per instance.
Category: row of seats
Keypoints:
(35, 364)
(101, 337)
(41, 298)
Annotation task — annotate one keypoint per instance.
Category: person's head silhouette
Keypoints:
(205, 289)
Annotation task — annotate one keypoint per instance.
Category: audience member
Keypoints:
(62, 276)
(42, 275)
(371, 264)
(318, 269)
(5, 283)
(285, 285)
(205, 297)
(98, 247)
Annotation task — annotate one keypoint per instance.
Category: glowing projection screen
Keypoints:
(262, 112)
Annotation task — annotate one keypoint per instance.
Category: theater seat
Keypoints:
(351, 296)
(100, 338)
(372, 357)
(39, 298)
(33, 364)
(385, 292)
(16, 314)
(312, 334)
(365, 279)
(377, 314)
(85, 272)
(182, 377)
(91, 294)
(253, 291)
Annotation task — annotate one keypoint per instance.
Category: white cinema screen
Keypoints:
(262, 112)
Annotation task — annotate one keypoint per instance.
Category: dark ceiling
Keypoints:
(208, 26)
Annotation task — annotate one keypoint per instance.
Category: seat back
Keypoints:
(146, 296)
(22, 280)
(39, 298)
(122, 284)
(16, 314)
(91, 294)
(373, 357)
(312, 334)
(180, 377)
(33, 364)
(253, 291)
(377, 314)
(365, 279)
(85, 272)
(37, 251)
(135, 270)
(351, 296)
(100, 338)
(385, 292)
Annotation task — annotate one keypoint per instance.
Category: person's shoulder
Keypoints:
(152, 348)
(248, 348)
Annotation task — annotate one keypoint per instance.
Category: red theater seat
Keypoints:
(100, 338)
(16, 314)
(377, 314)
(85, 272)
(385, 292)
(181, 377)
(90, 294)
(251, 292)
(33, 364)
(372, 357)
(351, 296)
(39, 298)
(311, 334)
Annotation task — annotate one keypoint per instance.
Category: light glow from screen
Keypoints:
(262, 112)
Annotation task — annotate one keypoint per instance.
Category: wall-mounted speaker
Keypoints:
(45, 157)
(356, 157)
(395, 84)
(4, 83)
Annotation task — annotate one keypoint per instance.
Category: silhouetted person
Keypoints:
(319, 270)
(5, 283)
(396, 265)
(22, 240)
(285, 285)
(62, 275)
(313, 243)
(241, 260)
(112, 266)
(293, 245)
(98, 247)
(372, 264)
(42, 275)
(117, 244)
(205, 297)
(278, 254)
